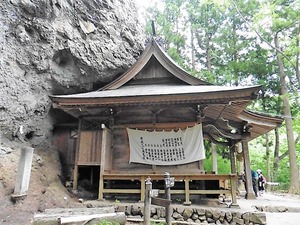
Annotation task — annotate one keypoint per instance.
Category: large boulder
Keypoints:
(59, 47)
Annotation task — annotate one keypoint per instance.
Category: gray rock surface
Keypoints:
(59, 47)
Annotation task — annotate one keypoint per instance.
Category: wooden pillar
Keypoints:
(233, 182)
(240, 158)
(104, 146)
(240, 166)
(214, 157)
(143, 190)
(249, 188)
(75, 173)
(187, 191)
(232, 159)
(147, 203)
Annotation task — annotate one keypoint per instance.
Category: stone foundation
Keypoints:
(196, 215)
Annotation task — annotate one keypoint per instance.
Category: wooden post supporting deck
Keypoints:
(143, 184)
(187, 192)
(106, 144)
(233, 182)
(249, 187)
(75, 173)
(214, 156)
(101, 181)
(232, 159)
(147, 202)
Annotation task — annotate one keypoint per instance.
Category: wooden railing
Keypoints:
(186, 178)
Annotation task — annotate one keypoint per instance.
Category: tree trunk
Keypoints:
(297, 63)
(294, 173)
(276, 155)
(192, 49)
(235, 55)
(208, 57)
(268, 160)
(268, 172)
(297, 56)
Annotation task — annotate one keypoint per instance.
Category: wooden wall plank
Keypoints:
(90, 148)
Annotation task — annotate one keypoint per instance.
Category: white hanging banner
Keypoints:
(166, 147)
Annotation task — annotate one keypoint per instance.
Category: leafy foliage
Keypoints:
(230, 43)
(223, 165)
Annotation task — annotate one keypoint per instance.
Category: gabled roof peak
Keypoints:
(159, 40)
(153, 49)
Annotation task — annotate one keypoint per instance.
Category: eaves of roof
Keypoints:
(148, 93)
(261, 119)
(260, 123)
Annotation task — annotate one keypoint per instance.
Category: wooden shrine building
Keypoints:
(156, 95)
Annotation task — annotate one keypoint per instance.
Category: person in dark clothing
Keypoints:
(254, 176)
(254, 182)
(261, 182)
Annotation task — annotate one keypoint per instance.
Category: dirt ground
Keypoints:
(45, 189)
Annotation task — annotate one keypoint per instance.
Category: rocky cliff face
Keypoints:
(59, 47)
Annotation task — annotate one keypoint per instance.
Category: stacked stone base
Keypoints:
(197, 215)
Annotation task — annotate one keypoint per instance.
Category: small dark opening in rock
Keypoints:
(29, 30)
(62, 58)
(58, 5)
(29, 135)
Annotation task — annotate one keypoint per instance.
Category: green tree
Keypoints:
(283, 17)
(205, 18)
(243, 43)
(169, 26)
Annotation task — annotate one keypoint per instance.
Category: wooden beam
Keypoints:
(212, 139)
(178, 177)
(224, 133)
(182, 125)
